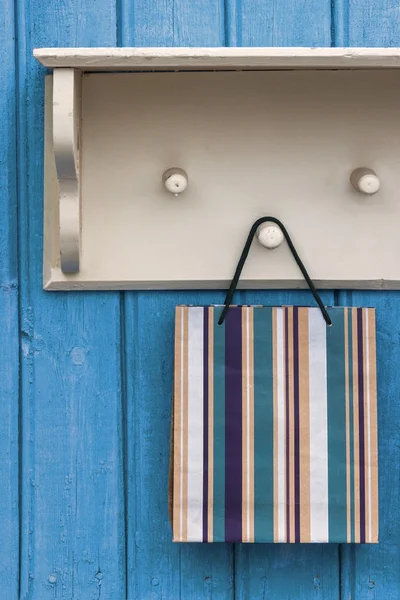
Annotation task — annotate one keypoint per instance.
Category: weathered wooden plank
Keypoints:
(171, 23)
(270, 570)
(278, 23)
(373, 23)
(72, 481)
(157, 568)
(9, 364)
(373, 571)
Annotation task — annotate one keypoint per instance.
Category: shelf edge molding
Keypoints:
(158, 59)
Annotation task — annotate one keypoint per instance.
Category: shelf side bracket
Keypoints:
(66, 134)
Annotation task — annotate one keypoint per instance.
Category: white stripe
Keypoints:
(319, 523)
(248, 419)
(195, 426)
(181, 408)
(281, 426)
(368, 431)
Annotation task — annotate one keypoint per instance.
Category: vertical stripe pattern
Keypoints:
(275, 426)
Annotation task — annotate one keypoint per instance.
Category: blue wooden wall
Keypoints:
(85, 378)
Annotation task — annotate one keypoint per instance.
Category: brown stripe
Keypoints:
(245, 458)
(356, 453)
(251, 417)
(291, 431)
(347, 394)
(275, 384)
(285, 418)
(304, 402)
(185, 422)
(210, 423)
(177, 426)
(366, 420)
(373, 430)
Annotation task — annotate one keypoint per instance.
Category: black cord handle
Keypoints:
(296, 257)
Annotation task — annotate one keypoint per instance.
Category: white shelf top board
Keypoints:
(203, 59)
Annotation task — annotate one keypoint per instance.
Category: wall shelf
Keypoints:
(281, 134)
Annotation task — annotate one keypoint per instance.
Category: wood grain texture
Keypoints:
(84, 362)
(171, 23)
(373, 23)
(373, 571)
(157, 568)
(9, 363)
(72, 537)
(278, 23)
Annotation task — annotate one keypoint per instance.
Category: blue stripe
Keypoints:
(263, 427)
(336, 389)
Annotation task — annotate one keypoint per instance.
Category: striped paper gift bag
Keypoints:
(275, 426)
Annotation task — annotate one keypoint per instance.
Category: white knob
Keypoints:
(175, 180)
(270, 235)
(365, 181)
